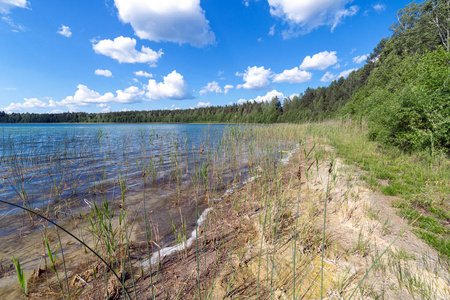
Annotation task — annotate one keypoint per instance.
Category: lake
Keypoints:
(161, 176)
(49, 167)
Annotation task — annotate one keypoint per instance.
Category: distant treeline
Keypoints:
(403, 91)
(313, 104)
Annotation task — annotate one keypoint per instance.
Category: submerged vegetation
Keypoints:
(351, 203)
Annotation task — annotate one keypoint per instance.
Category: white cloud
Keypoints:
(330, 76)
(28, 104)
(7, 5)
(293, 76)
(227, 88)
(168, 20)
(65, 31)
(319, 61)
(272, 30)
(379, 7)
(11, 23)
(7, 88)
(84, 96)
(106, 73)
(143, 74)
(360, 59)
(212, 87)
(256, 78)
(128, 95)
(173, 87)
(341, 14)
(306, 15)
(346, 73)
(203, 104)
(266, 98)
(123, 50)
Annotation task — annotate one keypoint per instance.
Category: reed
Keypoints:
(279, 198)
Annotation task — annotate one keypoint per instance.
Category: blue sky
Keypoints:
(113, 55)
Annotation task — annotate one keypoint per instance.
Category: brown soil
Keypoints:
(236, 258)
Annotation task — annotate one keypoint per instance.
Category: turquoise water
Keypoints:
(43, 165)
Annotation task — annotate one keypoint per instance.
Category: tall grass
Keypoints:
(268, 217)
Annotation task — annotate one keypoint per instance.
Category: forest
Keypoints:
(402, 91)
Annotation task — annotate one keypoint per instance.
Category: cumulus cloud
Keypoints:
(105, 107)
(360, 59)
(172, 87)
(327, 77)
(346, 73)
(169, 20)
(65, 31)
(330, 76)
(266, 98)
(212, 87)
(29, 103)
(7, 5)
(106, 73)
(203, 104)
(305, 15)
(129, 95)
(293, 76)
(84, 96)
(319, 61)
(256, 78)
(123, 49)
(143, 74)
(227, 88)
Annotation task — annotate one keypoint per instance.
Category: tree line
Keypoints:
(403, 91)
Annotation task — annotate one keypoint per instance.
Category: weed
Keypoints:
(20, 276)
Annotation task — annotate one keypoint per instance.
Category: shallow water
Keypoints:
(60, 170)
(44, 163)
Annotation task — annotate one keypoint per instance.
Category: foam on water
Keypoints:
(159, 255)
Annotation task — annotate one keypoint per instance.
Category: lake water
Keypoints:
(62, 170)
(51, 167)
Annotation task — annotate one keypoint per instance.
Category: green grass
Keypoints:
(420, 180)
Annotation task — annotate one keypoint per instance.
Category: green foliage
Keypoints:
(20, 276)
(409, 107)
(402, 90)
